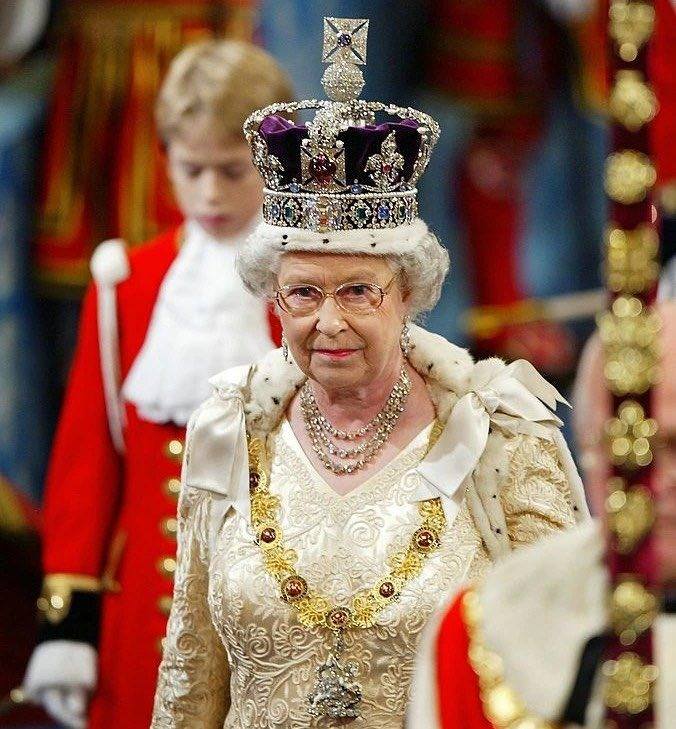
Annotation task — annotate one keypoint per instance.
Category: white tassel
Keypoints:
(110, 266)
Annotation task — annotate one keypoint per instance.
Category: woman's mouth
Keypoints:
(335, 353)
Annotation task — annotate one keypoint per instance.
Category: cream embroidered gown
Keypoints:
(236, 655)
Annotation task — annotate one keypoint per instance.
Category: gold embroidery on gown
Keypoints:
(536, 497)
(262, 678)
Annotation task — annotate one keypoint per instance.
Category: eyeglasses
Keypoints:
(353, 298)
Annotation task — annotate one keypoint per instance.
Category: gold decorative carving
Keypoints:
(631, 259)
(631, 24)
(629, 176)
(629, 684)
(632, 609)
(630, 517)
(630, 436)
(629, 336)
(632, 101)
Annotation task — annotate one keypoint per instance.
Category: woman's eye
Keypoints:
(356, 290)
(304, 292)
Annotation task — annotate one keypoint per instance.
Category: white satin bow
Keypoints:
(217, 459)
(517, 399)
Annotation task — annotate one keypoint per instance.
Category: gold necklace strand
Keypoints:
(336, 693)
(317, 427)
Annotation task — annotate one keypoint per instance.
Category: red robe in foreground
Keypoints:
(524, 648)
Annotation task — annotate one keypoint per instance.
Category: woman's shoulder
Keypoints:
(439, 360)
(264, 388)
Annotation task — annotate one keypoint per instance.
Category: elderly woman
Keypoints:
(336, 490)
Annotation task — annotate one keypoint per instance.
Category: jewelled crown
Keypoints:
(342, 170)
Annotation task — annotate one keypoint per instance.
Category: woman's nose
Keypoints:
(330, 319)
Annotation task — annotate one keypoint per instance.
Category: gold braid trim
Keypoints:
(502, 706)
(279, 561)
(57, 591)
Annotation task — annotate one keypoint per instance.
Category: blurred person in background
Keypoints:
(158, 321)
(523, 140)
(543, 612)
(24, 80)
(104, 173)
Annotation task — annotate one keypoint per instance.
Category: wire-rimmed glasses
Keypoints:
(353, 298)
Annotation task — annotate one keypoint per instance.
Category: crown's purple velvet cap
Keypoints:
(284, 138)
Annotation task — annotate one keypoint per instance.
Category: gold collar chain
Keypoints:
(313, 608)
(336, 693)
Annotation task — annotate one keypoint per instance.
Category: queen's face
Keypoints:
(335, 348)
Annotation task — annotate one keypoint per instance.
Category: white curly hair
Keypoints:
(423, 266)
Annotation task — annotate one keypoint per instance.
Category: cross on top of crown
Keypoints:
(345, 40)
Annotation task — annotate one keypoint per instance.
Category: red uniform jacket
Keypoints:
(113, 517)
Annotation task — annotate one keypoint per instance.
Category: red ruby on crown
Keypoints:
(322, 169)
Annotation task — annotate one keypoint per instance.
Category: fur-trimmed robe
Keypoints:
(268, 387)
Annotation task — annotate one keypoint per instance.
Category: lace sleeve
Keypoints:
(536, 497)
(192, 689)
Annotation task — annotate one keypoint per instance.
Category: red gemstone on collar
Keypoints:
(294, 587)
(425, 540)
(337, 618)
(268, 535)
(386, 589)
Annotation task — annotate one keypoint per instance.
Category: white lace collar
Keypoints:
(203, 321)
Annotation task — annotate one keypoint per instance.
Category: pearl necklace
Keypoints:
(322, 433)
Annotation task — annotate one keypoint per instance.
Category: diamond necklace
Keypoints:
(321, 431)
